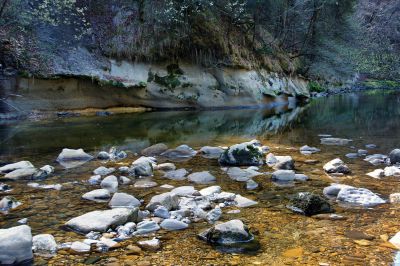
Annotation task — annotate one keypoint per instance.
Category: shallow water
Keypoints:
(369, 117)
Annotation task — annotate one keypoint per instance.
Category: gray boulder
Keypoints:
(169, 200)
(103, 171)
(44, 244)
(359, 196)
(284, 175)
(70, 158)
(336, 166)
(99, 195)
(308, 204)
(15, 245)
(184, 191)
(15, 166)
(110, 183)
(307, 150)
(180, 152)
(146, 227)
(9, 203)
(280, 162)
(243, 154)
(101, 221)
(145, 183)
(162, 212)
(242, 175)
(154, 150)
(123, 200)
(142, 166)
(335, 141)
(214, 215)
(173, 225)
(211, 152)
(394, 156)
(376, 159)
(179, 174)
(25, 173)
(201, 178)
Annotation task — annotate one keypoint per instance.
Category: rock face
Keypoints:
(201, 178)
(123, 200)
(244, 154)
(101, 221)
(230, 234)
(15, 245)
(44, 244)
(336, 166)
(309, 204)
(394, 156)
(154, 150)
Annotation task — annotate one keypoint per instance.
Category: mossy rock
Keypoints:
(308, 204)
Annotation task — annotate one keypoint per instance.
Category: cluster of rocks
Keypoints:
(25, 170)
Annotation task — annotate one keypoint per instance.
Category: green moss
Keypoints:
(374, 83)
(171, 81)
(314, 86)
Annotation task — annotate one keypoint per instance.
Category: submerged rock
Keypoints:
(307, 150)
(44, 244)
(244, 154)
(335, 141)
(309, 204)
(251, 184)
(179, 174)
(211, 152)
(101, 221)
(242, 175)
(15, 166)
(232, 236)
(336, 166)
(16, 245)
(201, 178)
(180, 152)
(154, 150)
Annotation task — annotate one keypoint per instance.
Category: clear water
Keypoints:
(369, 117)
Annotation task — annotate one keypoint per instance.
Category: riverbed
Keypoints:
(286, 238)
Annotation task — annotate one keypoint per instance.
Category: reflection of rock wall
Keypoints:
(136, 131)
(153, 85)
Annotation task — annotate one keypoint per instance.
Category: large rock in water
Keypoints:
(101, 221)
(99, 195)
(394, 156)
(142, 166)
(44, 244)
(73, 155)
(15, 166)
(123, 200)
(211, 152)
(180, 152)
(336, 166)
(359, 196)
(154, 150)
(309, 204)
(227, 233)
(280, 162)
(243, 154)
(15, 245)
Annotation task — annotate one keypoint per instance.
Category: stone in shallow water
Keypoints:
(123, 200)
(165, 167)
(169, 200)
(180, 152)
(300, 177)
(243, 202)
(394, 156)
(103, 171)
(243, 154)
(162, 212)
(280, 162)
(214, 215)
(146, 227)
(151, 245)
(94, 180)
(142, 166)
(24, 173)
(211, 152)
(251, 185)
(110, 183)
(307, 150)
(44, 244)
(377, 173)
(336, 166)
(370, 146)
(184, 191)
(9, 203)
(15, 166)
(376, 159)
(394, 198)
(284, 175)
(80, 247)
(179, 174)
(145, 184)
(352, 155)
(242, 175)
(154, 150)
(392, 171)
(208, 191)
(335, 141)
(101, 221)
(70, 158)
(201, 178)
(359, 196)
(309, 204)
(334, 189)
(173, 225)
(15, 245)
